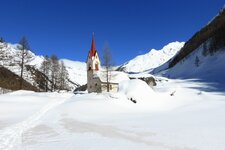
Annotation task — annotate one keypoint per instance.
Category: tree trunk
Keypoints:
(107, 78)
(21, 74)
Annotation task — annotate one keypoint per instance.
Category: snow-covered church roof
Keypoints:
(114, 76)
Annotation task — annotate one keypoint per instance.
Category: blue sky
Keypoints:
(131, 27)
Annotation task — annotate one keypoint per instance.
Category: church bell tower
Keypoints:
(93, 67)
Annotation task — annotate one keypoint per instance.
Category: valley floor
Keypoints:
(190, 119)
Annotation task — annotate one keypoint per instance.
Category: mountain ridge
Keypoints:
(152, 59)
(9, 58)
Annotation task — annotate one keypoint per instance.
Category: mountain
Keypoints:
(202, 57)
(10, 55)
(9, 58)
(77, 71)
(152, 59)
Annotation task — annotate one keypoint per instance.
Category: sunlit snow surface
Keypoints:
(77, 71)
(152, 59)
(191, 119)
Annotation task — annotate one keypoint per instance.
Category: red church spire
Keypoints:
(93, 47)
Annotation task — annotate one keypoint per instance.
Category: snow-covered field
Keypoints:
(191, 119)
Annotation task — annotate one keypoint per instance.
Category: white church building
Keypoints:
(96, 77)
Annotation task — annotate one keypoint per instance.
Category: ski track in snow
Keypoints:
(11, 137)
(113, 132)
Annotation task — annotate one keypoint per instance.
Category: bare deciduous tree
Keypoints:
(54, 72)
(64, 75)
(45, 68)
(24, 56)
(2, 51)
(107, 62)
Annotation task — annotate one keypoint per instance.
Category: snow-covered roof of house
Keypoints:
(140, 75)
(114, 76)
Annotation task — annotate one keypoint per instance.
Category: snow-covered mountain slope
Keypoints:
(210, 68)
(202, 57)
(12, 57)
(152, 59)
(77, 71)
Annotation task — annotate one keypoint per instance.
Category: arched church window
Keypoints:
(96, 66)
(89, 68)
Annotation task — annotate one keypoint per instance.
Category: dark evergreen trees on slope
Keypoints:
(2, 40)
(214, 33)
(25, 57)
(197, 61)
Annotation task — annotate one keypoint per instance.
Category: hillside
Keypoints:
(77, 71)
(212, 36)
(152, 59)
(202, 58)
(10, 56)
(9, 80)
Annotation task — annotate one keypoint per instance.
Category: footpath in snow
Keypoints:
(10, 137)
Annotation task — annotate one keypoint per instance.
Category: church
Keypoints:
(96, 77)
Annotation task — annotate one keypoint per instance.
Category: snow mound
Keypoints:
(136, 90)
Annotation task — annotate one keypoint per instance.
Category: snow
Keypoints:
(153, 58)
(140, 75)
(190, 119)
(77, 71)
(136, 89)
(114, 76)
(209, 69)
(32, 106)
(12, 51)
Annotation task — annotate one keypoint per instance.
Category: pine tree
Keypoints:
(205, 49)
(2, 40)
(197, 61)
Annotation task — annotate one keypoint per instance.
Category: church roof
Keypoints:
(114, 77)
(93, 50)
